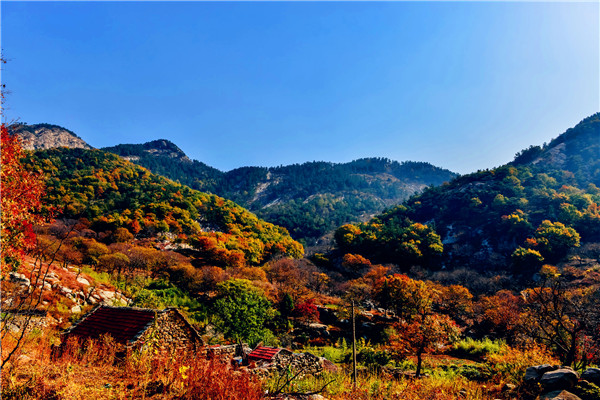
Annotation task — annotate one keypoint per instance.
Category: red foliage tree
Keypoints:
(21, 191)
(306, 311)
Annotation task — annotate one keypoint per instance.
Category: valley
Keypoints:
(460, 283)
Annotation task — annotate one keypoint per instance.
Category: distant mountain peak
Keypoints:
(165, 148)
(157, 148)
(47, 136)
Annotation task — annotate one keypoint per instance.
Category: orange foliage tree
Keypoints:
(422, 334)
(419, 329)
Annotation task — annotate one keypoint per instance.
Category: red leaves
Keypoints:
(21, 191)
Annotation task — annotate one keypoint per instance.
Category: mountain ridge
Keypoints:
(537, 208)
(309, 199)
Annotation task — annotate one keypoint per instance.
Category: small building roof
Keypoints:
(124, 324)
(263, 353)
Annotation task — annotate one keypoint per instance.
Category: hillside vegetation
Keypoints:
(515, 217)
(309, 199)
(431, 283)
(119, 198)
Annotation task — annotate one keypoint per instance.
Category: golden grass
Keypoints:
(96, 373)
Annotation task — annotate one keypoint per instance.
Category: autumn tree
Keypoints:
(114, 262)
(21, 191)
(419, 328)
(500, 314)
(455, 301)
(306, 311)
(421, 334)
(288, 277)
(553, 240)
(562, 317)
(355, 263)
(405, 296)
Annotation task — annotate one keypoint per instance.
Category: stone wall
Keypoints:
(170, 331)
(306, 362)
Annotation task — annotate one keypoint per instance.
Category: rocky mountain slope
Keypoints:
(538, 209)
(309, 199)
(47, 136)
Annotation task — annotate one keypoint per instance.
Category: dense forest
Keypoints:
(112, 194)
(515, 217)
(309, 199)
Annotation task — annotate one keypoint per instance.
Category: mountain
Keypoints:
(536, 209)
(309, 199)
(115, 197)
(165, 158)
(47, 136)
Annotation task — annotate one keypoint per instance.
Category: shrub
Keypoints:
(477, 349)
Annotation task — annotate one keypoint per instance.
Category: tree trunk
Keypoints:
(419, 362)
(570, 356)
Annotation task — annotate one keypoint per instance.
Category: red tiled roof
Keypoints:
(122, 323)
(263, 353)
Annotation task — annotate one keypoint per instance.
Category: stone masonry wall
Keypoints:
(170, 332)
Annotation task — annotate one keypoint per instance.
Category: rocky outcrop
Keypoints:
(46, 136)
(592, 375)
(562, 378)
(559, 395)
(563, 383)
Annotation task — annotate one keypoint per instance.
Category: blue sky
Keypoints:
(461, 85)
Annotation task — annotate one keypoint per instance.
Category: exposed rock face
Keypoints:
(166, 148)
(46, 136)
(19, 278)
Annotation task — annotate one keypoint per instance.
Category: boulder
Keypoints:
(19, 278)
(533, 374)
(592, 375)
(83, 281)
(558, 395)
(562, 378)
(65, 290)
(106, 294)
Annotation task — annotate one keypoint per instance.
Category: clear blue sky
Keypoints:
(461, 85)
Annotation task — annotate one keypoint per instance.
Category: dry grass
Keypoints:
(92, 371)
(447, 379)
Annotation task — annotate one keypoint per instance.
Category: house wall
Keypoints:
(170, 332)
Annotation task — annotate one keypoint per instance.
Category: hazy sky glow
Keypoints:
(461, 85)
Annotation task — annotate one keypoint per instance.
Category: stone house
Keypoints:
(135, 328)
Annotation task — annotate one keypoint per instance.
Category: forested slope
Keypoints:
(518, 216)
(309, 199)
(111, 193)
